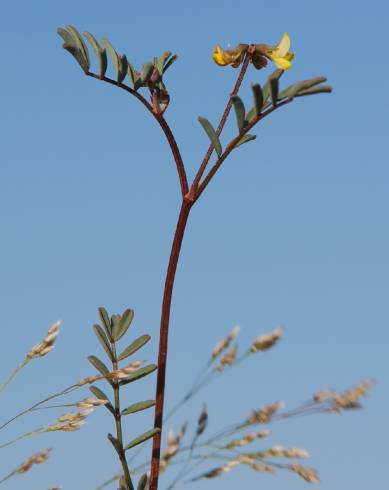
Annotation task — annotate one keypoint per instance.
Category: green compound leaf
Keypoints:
(291, 91)
(321, 89)
(78, 56)
(146, 72)
(245, 139)
(143, 438)
(137, 407)
(123, 65)
(105, 321)
(132, 75)
(240, 112)
(115, 322)
(160, 63)
(142, 482)
(138, 84)
(250, 115)
(99, 365)
(134, 346)
(121, 327)
(101, 53)
(258, 98)
(102, 338)
(312, 82)
(67, 37)
(169, 62)
(276, 75)
(80, 44)
(138, 374)
(208, 128)
(102, 396)
(113, 55)
(274, 86)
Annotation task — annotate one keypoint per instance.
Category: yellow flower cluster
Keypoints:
(279, 54)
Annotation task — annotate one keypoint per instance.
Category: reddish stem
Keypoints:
(189, 197)
(187, 203)
(164, 125)
(163, 339)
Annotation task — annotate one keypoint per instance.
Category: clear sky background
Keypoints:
(293, 231)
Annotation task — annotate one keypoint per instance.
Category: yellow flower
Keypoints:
(233, 57)
(220, 56)
(280, 55)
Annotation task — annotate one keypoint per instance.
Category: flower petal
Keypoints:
(289, 56)
(258, 61)
(282, 63)
(283, 46)
(219, 56)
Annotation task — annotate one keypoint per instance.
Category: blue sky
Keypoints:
(293, 231)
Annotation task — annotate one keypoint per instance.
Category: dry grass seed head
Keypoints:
(310, 475)
(228, 359)
(265, 414)
(286, 452)
(261, 467)
(323, 396)
(266, 341)
(47, 344)
(224, 343)
(221, 470)
(88, 403)
(67, 427)
(37, 458)
(89, 380)
(348, 400)
(70, 422)
(73, 417)
(126, 371)
(172, 448)
(116, 375)
(243, 441)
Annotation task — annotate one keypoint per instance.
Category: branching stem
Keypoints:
(233, 145)
(164, 126)
(189, 197)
